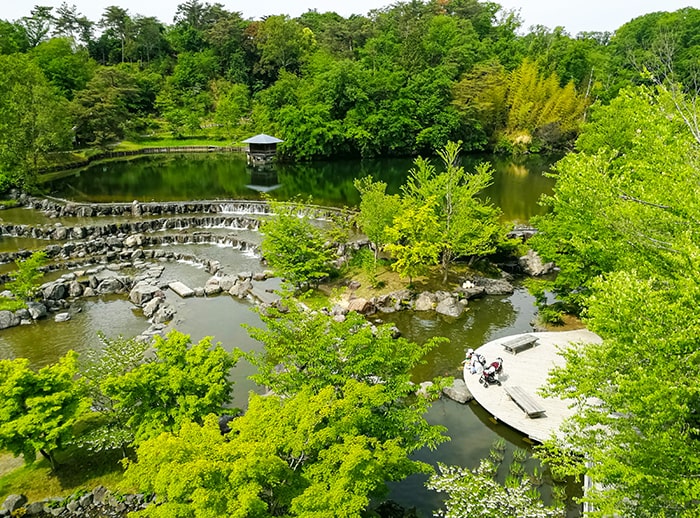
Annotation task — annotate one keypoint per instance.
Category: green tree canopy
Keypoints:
(294, 247)
(183, 382)
(624, 231)
(38, 410)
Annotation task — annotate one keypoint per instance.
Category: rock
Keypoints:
(7, 294)
(89, 292)
(425, 302)
(458, 391)
(150, 308)
(531, 263)
(360, 305)
(164, 314)
(36, 310)
(241, 289)
(110, 286)
(494, 286)
(13, 502)
(450, 307)
(354, 285)
(73, 506)
(8, 319)
(473, 292)
(199, 292)
(133, 241)
(339, 318)
(54, 291)
(100, 494)
(180, 288)
(75, 289)
(213, 267)
(35, 508)
(212, 287)
(260, 276)
(143, 292)
(226, 282)
(62, 317)
(245, 276)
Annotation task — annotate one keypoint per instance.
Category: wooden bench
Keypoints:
(528, 404)
(519, 343)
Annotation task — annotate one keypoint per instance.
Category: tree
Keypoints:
(294, 247)
(442, 216)
(116, 358)
(624, 232)
(38, 410)
(377, 212)
(316, 351)
(101, 111)
(24, 280)
(68, 69)
(184, 382)
(117, 22)
(310, 454)
(38, 25)
(33, 121)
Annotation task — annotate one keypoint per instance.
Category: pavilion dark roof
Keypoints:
(262, 139)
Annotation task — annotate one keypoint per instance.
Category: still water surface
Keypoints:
(516, 189)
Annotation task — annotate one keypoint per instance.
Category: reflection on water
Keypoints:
(517, 184)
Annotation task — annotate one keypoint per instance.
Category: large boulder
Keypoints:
(458, 391)
(142, 292)
(360, 305)
(36, 309)
(425, 302)
(110, 286)
(494, 286)
(54, 291)
(8, 319)
(165, 313)
(450, 307)
(150, 307)
(532, 264)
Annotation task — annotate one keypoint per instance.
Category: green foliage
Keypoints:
(294, 247)
(183, 382)
(33, 120)
(478, 494)
(624, 232)
(11, 304)
(441, 217)
(377, 212)
(38, 410)
(309, 454)
(25, 279)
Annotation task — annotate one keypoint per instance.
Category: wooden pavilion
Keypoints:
(261, 149)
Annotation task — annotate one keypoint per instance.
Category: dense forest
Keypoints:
(402, 80)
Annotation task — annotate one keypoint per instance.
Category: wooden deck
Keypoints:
(527, 370)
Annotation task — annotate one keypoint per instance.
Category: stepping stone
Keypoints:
(182, 290)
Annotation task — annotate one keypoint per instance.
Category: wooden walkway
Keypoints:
(528, 370)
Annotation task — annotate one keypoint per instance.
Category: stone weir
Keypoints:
(59, 208)
(117, 248)
(59, 232)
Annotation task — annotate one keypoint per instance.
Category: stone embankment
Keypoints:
(98, 503)
(57, 208)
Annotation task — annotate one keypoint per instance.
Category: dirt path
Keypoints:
(9, 462)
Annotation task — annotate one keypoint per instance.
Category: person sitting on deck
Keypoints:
(476, 361)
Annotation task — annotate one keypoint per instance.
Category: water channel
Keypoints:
(516, 189)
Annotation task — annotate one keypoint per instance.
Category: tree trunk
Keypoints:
(48, 456)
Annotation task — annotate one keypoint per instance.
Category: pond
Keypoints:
(516, 189)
